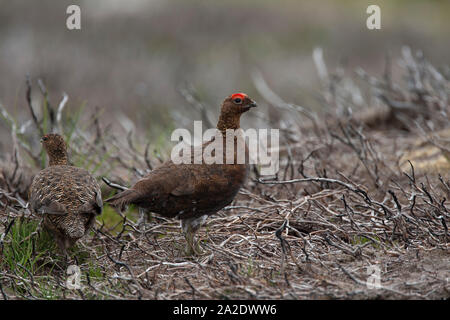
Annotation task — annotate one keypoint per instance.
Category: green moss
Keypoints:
(95, 272)
(360, 240)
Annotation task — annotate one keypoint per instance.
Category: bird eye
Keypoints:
(238, 100)
(44, 138)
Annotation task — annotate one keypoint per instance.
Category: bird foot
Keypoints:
(140, 225)
(195, 250)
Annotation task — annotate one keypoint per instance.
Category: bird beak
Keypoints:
(41, 140)
(247, 107)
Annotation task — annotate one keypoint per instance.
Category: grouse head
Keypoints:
(56, 149)
(232, 109)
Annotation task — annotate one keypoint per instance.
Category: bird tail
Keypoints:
(122, 199)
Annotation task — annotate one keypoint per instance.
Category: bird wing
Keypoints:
(201, 181)
(195, 181)
(48, 206)
(184, 189)
(60, 189)
(95, 205)
(42, 199)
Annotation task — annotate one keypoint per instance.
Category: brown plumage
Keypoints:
(191, 192)
(68, 197)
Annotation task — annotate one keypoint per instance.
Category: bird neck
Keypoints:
(58, 160)
(227, 121)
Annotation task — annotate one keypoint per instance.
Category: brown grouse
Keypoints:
(192, 191)
(68, 197)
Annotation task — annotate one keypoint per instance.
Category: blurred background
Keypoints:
(376, 122)
(132, 58)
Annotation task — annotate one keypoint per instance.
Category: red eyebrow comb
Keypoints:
(238, 95)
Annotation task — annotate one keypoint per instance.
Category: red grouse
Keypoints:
(67, 197)
(191, 191)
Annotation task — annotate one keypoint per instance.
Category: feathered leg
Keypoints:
(190, 226)
(63, 245)
(142, 219)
